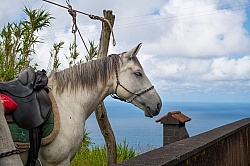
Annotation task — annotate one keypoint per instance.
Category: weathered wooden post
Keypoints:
(174, 127)
(6, 144)
(100, 112)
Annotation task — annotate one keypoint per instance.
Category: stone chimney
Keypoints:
(174, 127)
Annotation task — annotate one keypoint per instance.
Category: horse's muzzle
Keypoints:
(153, 112)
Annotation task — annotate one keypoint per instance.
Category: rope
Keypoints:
(9, 153)
(107, 21)
(94, 17)
(74, 27)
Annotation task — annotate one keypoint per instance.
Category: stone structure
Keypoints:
(174, 127)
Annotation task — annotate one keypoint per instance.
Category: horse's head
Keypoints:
(132, 85)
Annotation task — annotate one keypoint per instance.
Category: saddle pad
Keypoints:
(22, 135)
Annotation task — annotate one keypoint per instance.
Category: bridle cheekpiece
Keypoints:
(115, 95)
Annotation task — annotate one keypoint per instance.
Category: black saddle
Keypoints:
(22, 85)
(27, 90)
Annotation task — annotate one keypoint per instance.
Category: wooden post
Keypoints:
(6, 143)
(100, 112)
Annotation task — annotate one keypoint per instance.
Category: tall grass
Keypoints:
(96, 155)
(124, 152)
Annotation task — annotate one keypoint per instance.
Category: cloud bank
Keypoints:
(192, 50)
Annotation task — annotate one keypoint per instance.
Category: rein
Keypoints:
(116, 96)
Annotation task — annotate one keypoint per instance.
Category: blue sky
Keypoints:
(192, 50)
(247, 23)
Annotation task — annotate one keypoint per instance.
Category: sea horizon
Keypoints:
(129, 123)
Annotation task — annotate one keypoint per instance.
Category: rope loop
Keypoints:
(73, 15)
(72, 12)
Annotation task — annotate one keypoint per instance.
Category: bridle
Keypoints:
(115, 95)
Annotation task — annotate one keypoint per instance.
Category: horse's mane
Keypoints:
(87, 75)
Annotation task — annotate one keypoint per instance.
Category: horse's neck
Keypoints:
(82, 101)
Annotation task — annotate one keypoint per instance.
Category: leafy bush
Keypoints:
(17, 42)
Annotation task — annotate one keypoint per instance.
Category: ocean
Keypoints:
(129, 123)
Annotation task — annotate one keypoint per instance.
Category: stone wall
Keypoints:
(226, 145)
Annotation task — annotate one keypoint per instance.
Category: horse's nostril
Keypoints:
(159, 106)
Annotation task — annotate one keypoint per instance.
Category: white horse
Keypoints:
(80, 89)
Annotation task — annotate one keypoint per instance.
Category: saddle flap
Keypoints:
(44, 103)
(32, 110)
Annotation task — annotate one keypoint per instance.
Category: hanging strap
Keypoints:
(35, 136)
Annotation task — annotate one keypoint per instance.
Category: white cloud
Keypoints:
(224, 69)
(200, 31)
(188, 46)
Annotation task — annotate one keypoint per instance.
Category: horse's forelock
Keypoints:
(86, 75)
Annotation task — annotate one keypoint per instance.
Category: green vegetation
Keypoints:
(94, 155)
(17, 41)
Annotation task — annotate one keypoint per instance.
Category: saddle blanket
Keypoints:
(22, 135)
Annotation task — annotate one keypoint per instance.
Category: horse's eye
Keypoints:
(138, 74)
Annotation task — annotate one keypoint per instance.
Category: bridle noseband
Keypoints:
(115, 95)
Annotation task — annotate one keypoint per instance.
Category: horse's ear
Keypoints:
(131, 53)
